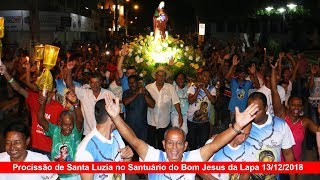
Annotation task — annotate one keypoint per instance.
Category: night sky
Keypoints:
(182, 13)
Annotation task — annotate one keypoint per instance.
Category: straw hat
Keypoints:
(161, 68)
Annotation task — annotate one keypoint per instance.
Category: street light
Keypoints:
(269, 8)
(291, 6)
(136, 7)
(281, 10)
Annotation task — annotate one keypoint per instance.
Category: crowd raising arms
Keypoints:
(174, 142)
(291, 114)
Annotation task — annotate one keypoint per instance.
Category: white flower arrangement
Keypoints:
(146, 54)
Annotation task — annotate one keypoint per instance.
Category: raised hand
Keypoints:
(3, 68)
(273, 65)
(282, 55)
(71, 64)
(235, 60)
(27, 65)
(124, 51)
(289, 56)
(226, 56)
(42, 99)
(244, 118)
(171, 62)
(112, 106)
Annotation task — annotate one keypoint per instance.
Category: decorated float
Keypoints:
(148, 52)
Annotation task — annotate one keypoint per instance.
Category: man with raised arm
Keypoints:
(87, 96)
(130, 70)
(39, 142)
(174, 141)
(103, 144)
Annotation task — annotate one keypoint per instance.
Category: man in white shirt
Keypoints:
(17, 139)
(103, 144)
(270, 136)
(87, 96)
(265, 89)
(159, 117)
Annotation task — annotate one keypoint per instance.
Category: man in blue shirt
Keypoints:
(130, 70)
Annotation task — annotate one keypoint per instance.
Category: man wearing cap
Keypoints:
(159, 117)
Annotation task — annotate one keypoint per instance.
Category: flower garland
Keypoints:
(146, 54)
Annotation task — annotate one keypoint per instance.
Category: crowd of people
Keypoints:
(100, 111)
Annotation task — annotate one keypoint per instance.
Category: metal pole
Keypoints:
(116, 17)
(126, 19)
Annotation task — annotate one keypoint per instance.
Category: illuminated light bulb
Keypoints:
(269, 8)
(291, 6)
(281, 10)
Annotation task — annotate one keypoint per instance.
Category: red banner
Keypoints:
(161, 167)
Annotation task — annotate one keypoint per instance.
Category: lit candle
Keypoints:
(39, 52)
(50, 55)
(1, 27)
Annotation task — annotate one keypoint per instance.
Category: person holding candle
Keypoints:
(67, 136)
(39, 142)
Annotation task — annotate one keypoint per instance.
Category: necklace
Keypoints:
(260, 143)
(296, 121)
(103, 176)
(168, 176)
(237, 157)
(101, 154)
